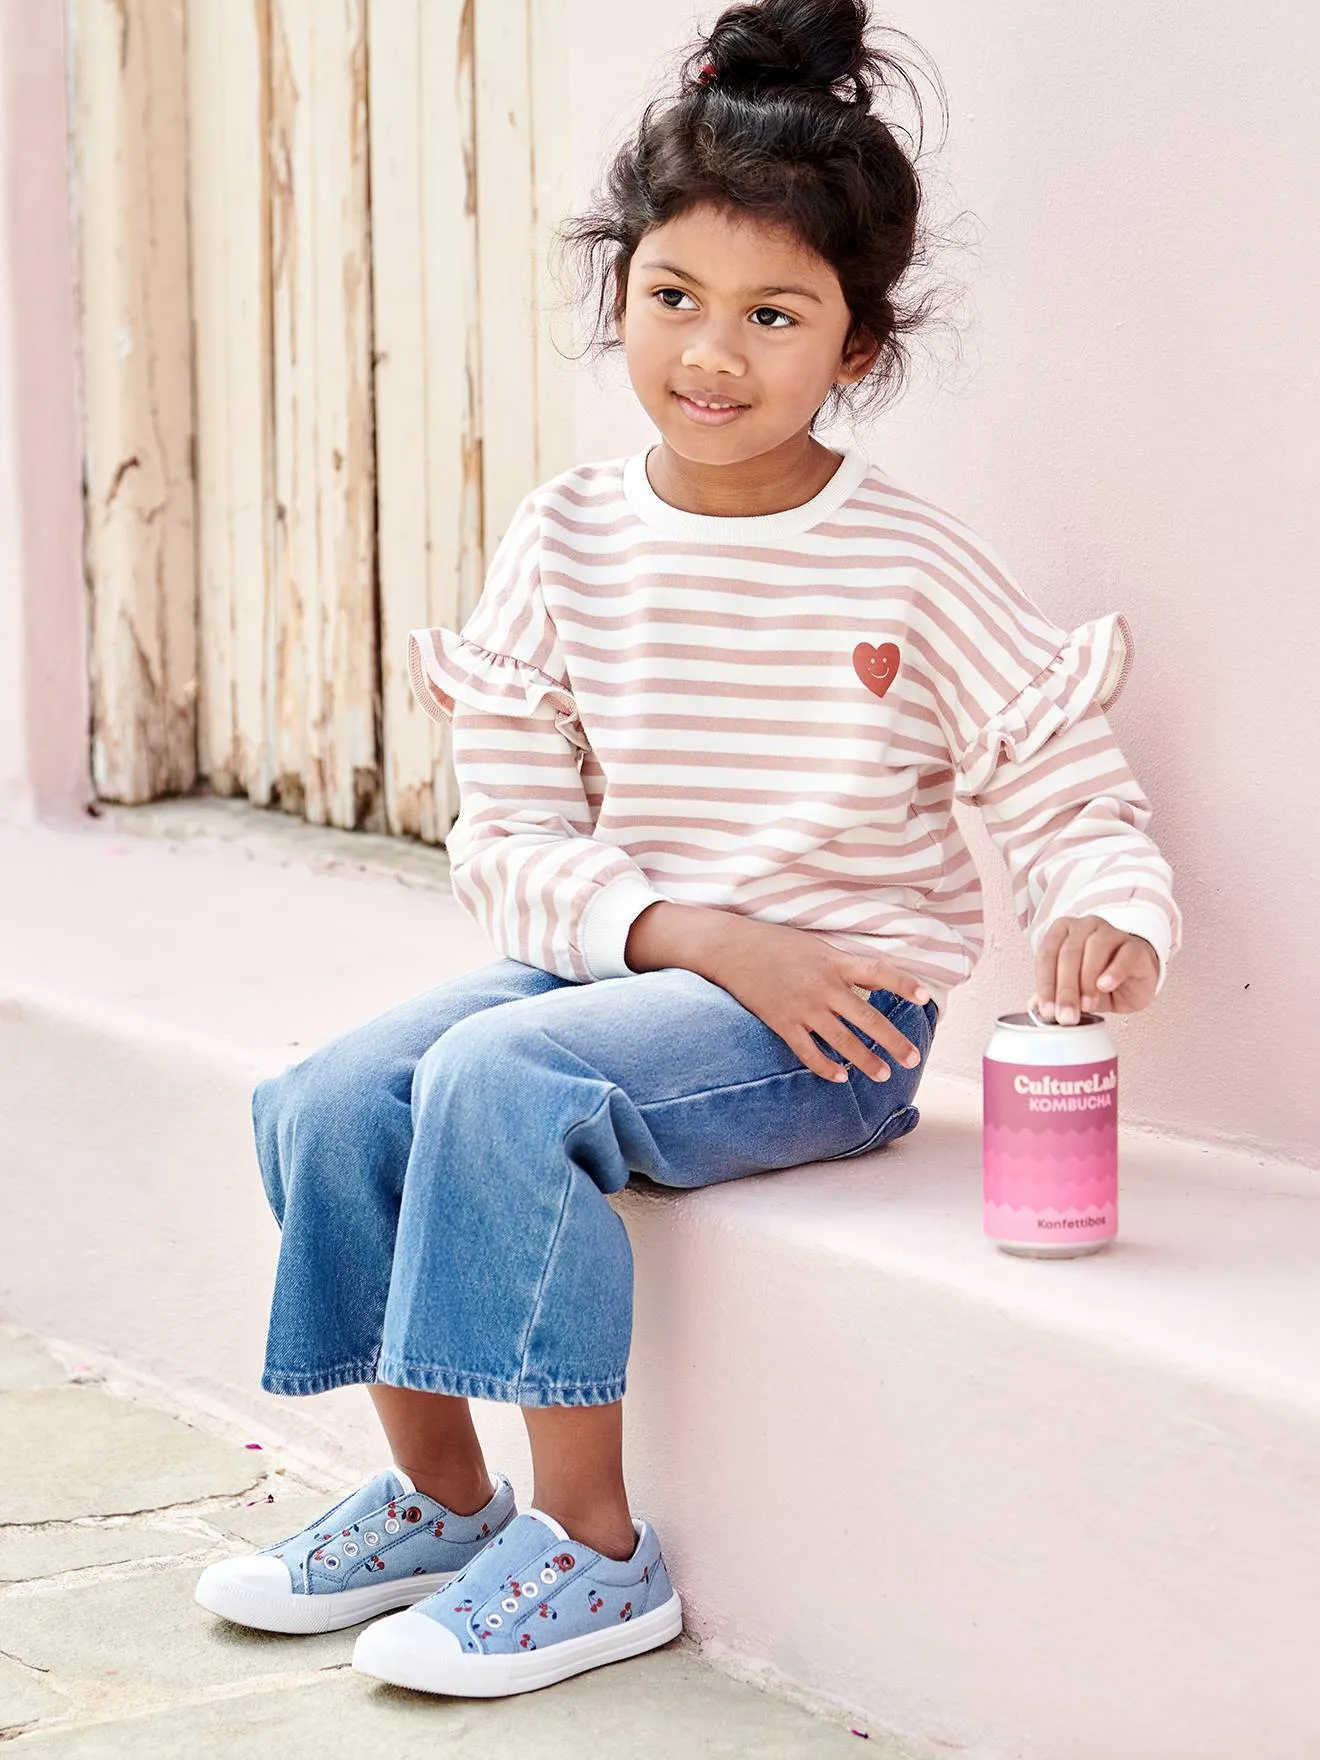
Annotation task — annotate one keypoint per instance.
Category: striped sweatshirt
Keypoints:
(774, 715)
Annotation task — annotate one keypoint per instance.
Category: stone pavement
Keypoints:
(109, 1505)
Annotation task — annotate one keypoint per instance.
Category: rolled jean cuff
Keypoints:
(462, 1384)
(294, 1383)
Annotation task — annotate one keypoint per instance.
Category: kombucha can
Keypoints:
(1050, 1141)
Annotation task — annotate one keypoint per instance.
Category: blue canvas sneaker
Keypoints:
(533, 1608)
(385, 1545)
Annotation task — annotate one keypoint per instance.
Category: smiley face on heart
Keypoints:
(876, 667)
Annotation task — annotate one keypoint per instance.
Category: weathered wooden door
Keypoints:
(351, 199)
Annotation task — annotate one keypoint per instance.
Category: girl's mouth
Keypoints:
(712, 412)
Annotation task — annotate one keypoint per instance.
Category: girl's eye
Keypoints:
(789, 322)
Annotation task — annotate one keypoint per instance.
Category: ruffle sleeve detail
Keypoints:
(1090, 668)
(445, 669)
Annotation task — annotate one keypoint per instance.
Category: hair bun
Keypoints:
(801, 45)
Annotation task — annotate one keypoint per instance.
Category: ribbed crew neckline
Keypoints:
(755, 528)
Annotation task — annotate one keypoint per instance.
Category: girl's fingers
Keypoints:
(1067, 982)
(860, 1055)
(801, 1044)
(1100, 949)
(870, 974)
(879, 1027)
(1047, 969)
(853, 1009)
(1082, 961)
(1120, 968)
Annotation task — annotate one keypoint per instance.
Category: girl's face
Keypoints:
(723, 309)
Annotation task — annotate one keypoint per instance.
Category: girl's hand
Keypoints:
(799, 985)
(1086, 963)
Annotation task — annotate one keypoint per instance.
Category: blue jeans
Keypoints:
(440, 1174)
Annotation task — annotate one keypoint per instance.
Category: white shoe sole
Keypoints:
(305, 1614)
(388, 1655)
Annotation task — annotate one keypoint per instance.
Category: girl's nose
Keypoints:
(714, 350)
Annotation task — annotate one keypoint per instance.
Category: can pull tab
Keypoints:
(1036, 1020)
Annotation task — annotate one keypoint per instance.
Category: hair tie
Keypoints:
(708, 75)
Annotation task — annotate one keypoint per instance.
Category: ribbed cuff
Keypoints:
(607, 920)
(1144, 920)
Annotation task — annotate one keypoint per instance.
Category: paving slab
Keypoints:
(265, 1523)
(23, 1699)
(78, 1451)
(666, 1706)
(27, 1553)
(148, 1634)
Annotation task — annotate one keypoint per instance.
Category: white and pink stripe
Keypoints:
(652, 704)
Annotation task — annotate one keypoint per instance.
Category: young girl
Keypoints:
(710, 718)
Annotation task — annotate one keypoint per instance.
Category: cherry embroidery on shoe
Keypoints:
(625, 1612)
(527, 1642)
(595, 1602)
(439, 1527)
(876, 667)
(485, 1529)
(547, 1612)
(464, 1606)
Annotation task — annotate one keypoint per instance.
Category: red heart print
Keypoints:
(876, 667)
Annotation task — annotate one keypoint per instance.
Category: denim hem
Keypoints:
(294, 1382)
(461, 1384)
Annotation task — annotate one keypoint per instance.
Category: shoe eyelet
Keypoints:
(494, 1620)
(331, 1563)
(371, 1540)
(549, 1576)
(531, 1590)
(350, 1549)
(391, 1527)
(509, 1604)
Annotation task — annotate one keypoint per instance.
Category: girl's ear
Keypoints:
(860, 355)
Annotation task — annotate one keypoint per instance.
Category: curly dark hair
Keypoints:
(775, 119)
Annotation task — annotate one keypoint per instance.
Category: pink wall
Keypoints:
(43, 671)
(1134, 423)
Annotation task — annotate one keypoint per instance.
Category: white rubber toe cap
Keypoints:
(256, 1574)
(257, 1591)
(408, 1650)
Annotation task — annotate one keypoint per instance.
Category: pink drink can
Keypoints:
(1050, 1141)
